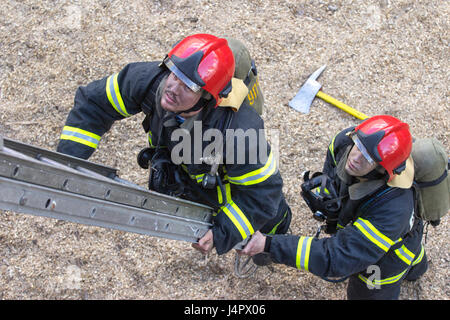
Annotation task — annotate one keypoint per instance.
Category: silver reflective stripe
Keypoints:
(81, 136)
(303, 252)
(373, 234)
(405, 255)
(239, 219)
(188, 82)
(114, 96)
(258, 175)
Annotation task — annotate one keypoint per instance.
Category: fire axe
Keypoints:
(311, 89)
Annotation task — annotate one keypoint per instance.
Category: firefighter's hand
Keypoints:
(255, 245)
(206, 243)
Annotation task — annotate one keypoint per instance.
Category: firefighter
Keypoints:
(184, 90)
(366, 195)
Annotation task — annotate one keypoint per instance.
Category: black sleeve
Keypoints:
(254, 188)
(102, 102)
(353, 248)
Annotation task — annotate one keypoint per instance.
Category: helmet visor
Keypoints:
(362, 148)
(180, 75)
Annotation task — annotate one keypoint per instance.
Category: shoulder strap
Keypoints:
(432, 183)
(223, 126)
(384, 193)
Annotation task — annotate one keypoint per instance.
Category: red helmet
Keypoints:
(203, 61)
(385, 140)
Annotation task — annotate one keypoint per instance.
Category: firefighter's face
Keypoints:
(357, 165)
(176, 96)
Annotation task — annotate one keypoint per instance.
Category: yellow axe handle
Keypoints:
(341, 105)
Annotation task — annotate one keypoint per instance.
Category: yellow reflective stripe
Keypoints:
(80, 136)
(405, 255)
(239, 219)
(198, 177)
(331, 148)
(420, 257)
(258, 175)
(227, 193)
(318, 190)
(373, 234)
(303, 251)
(395, 278)
(376, 282)
(150, 139)
(114, 96)
(274, 229)
(219, 195)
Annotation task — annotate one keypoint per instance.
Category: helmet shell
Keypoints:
(203, 61)
(388, 141)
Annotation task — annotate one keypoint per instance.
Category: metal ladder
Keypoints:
(50, 184)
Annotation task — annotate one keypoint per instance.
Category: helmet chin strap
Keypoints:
(202, 102)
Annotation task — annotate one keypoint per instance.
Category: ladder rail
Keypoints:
(41, 201)
(46, 183)
(70, 161)
(30, 170)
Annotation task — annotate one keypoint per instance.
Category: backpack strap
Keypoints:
(212, 179)
(432, 183)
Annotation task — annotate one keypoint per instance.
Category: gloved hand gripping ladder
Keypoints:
(46, 183)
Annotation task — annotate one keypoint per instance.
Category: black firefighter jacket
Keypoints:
(379, 244)
(253, 198)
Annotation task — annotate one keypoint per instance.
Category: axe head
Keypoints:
(305, 96)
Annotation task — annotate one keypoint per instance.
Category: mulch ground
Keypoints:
(383, 57)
